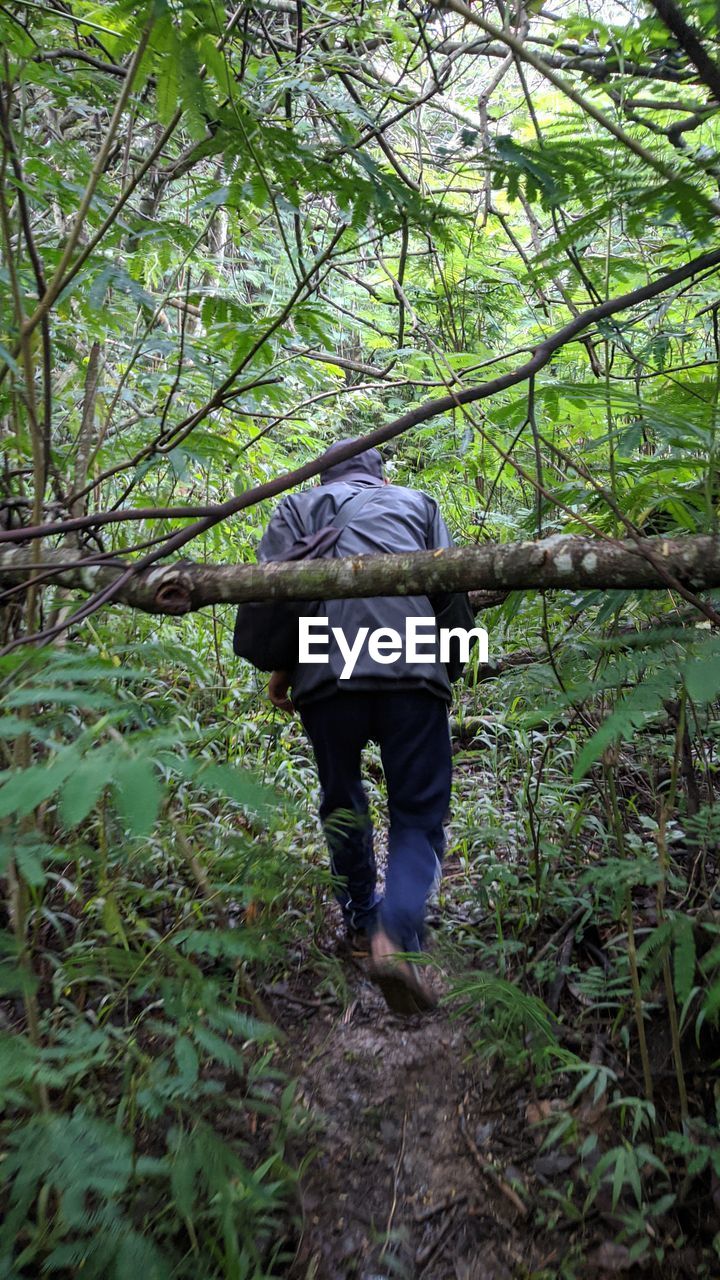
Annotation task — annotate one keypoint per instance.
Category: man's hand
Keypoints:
(278, 691)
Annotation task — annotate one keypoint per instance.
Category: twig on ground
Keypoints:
(396, 1175)
(283, 993)
(556, 937)
(487, 1168)
(425, 1256)
(424, 1215)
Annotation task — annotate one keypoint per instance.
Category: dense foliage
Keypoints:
(229, 237)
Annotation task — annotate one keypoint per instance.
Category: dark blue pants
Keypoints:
(412, 732)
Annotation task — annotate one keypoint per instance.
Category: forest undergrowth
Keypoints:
(482, 237)
(197, 1073)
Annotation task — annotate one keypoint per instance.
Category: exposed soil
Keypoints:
(423, 1166)
(395, 1188)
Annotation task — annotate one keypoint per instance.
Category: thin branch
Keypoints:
(541, 356)
(84, 441)
(690, 42)
(588, 107)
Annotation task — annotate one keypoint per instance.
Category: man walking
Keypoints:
(399, 702)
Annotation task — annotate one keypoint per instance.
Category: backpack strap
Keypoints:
(350, 507)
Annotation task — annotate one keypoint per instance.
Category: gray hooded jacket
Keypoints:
(394, 519)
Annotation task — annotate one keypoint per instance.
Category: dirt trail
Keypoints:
(399, 1186)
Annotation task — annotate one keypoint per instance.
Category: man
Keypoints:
(400, 704)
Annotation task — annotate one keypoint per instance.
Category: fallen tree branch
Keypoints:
(559, 562)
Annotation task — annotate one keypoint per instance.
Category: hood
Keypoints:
(364, 466)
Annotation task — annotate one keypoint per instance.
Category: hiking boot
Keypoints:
(357, 942)
(405, 990)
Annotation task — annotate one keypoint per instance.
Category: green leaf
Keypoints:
(137, 793)
(12, 726)
(187, 1059)
(630, 713)
(9, 360)
(18, 1060)
(168, 80)
(702, 679)
(633, 1176)
(230, 944)
(25, 789)
(183, 1176)
(76, 1155)
(112, 920)
(29, 864)
(684, 958)
(137, 1255)
(57, 696)
(82, 789)
(241, 787)
(618, 1181)
(221, 1050)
